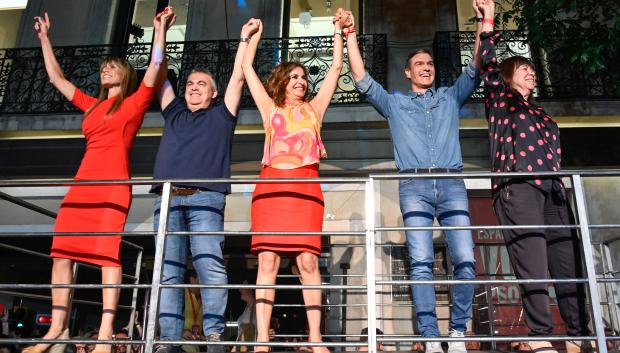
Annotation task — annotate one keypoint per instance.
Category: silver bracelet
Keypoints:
(244, 39)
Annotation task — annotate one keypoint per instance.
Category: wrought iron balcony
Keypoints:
(557, 77)
(25, 88)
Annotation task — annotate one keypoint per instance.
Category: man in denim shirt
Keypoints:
(425, 131)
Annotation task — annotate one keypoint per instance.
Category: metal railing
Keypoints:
(25, 87)
(557, 76)
(135, 278)
(373, 280)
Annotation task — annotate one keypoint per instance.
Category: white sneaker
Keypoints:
(433, 347)
(456, 346)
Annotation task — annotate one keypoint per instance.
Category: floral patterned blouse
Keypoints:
(293, 137)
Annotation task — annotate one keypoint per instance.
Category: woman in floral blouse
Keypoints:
(524, 138)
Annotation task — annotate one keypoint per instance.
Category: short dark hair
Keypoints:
(419, 51)
(508, 67)
(202, 70)
(364, 334)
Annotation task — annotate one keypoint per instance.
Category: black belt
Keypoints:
(430, 170)
(181, 191)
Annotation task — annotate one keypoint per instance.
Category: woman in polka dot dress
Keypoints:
(524, 138)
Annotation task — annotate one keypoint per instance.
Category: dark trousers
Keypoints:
(536, 253)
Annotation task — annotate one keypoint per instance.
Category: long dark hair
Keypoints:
(128, 84)
(279, 78)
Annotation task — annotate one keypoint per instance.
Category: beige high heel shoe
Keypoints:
(53, 348)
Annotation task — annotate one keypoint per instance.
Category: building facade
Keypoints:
(40, 134)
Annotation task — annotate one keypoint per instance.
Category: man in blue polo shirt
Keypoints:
(425, 131)
(196, 144)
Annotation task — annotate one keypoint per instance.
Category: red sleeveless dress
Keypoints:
(101, 208)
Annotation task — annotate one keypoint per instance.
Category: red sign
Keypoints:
(492, 262)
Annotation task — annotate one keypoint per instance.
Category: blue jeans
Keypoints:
(202, 211)
(421, 200)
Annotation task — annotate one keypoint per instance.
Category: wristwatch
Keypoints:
(338, 31)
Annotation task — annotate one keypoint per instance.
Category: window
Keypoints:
(10, 18)
(314, 17)
(144, 12)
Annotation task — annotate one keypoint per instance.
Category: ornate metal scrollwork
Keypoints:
(557, 77)
(25, 88)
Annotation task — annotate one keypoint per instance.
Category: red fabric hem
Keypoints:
(103, 261)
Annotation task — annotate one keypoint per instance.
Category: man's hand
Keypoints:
(250, 27)
(165, 19)
(487, 7)
(343, 18)
(42, 25)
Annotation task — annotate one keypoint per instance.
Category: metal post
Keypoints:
(160, 242)
(491, 314)
(145, 315)
(134, 298)
(343, 311)
(611, 297)
(582, 215)
(370, 264)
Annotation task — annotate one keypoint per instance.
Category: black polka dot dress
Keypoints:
(522, 136)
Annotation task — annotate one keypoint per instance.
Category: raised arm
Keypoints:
(232, 98)
(165, 91)
(479, 16)
(161, 23)
(356, 63)
(375, 94)
(488, 39)
(263, 102)
(54, 72)
(324, 96)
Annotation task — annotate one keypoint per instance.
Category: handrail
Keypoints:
(327, 180)
(370, 231)
(28, 205)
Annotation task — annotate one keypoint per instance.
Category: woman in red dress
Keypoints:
(293, 148)
(110, 125)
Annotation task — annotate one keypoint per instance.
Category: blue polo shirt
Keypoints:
(424, 126)
(195, 145)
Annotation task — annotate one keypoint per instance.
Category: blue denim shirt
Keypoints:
(424, 126)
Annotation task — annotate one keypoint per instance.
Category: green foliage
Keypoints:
(579, 31)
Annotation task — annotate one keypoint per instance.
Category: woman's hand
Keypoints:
(343, 19)
(42, 25)
(259, 32)
(164, 19)
(250, 28)
(477, 10)
(487, 7)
